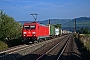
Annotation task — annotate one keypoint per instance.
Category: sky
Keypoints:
(20, 10)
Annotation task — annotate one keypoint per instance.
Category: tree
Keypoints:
(84, 31)
(8, 26)
(58, 25)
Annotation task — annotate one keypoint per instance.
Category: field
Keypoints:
(83, 43)
(85, 23)
(85, 38)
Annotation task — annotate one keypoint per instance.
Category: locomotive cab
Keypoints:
(29, 32)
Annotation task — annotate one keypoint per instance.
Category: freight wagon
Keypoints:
(54, 31)
(57, 32)
(65, 32)
(51, 30)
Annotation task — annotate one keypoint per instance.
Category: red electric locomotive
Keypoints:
(34, 31)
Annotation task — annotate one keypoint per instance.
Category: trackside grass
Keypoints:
(85, 38)
(3, 45)
(9, 43)
(83, 43)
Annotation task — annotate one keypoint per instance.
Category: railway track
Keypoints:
(15, 53)
(48, 52)
(18, 51)
(64, 49)
(71, 52)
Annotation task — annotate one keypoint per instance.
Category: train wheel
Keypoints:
(27, 43)
(41, 40)
(45, 39)
(38, 41)
(32, 42)
(48, 38)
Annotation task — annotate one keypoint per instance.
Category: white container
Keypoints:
(57, 31)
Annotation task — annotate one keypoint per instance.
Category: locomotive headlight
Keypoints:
(24, 32)
(24, 35)
(33, 32)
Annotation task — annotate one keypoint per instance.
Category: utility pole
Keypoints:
(49, 21)
(74, 25)
(34, 16)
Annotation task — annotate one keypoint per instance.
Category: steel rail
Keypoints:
(63, 50)
(17, 48)
(49, 50)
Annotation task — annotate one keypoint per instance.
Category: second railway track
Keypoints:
(16, 52)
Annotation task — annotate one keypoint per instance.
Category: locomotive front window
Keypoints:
(26, 27)
(32, 27)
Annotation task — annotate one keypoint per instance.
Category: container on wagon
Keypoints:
(51, 30)
(57, 31)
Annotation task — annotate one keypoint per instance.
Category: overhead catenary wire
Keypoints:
(16, 6)
(56, 4)
(58, 7)
(27, 6)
